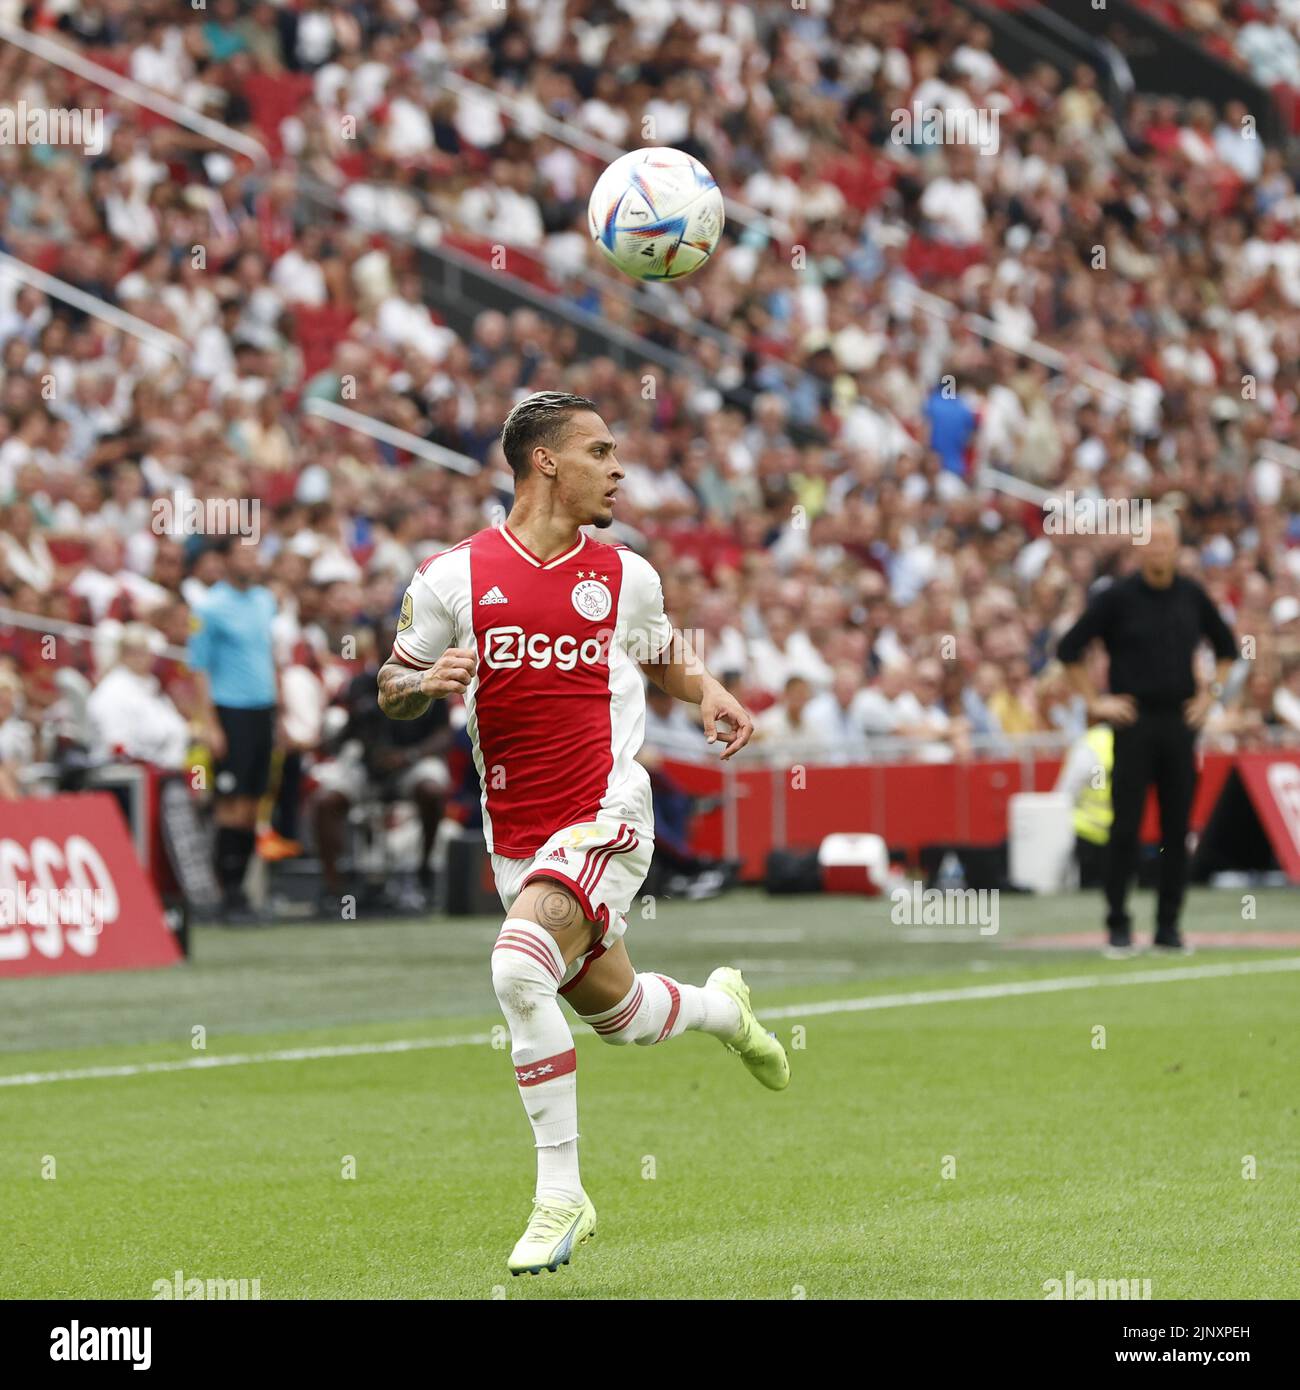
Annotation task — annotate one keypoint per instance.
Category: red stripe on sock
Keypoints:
(623, 1017)
(519, 938)
(673, 1009)
(533, 951)
(547, 1069)
(538, 943)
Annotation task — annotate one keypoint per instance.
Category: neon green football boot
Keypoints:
(760, 1050)
(555, 1230)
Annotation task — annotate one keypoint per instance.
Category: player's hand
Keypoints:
(1196, 709)
(719, 706)
(450, 674)
(1115, 709)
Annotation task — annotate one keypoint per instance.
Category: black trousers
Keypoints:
(1160, 748)
(1092, 860)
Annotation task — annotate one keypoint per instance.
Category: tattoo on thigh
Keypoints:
(558, 909)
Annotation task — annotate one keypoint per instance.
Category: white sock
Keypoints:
(527, 968)
(657, 1008)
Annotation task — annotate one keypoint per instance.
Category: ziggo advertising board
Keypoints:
(73, 896)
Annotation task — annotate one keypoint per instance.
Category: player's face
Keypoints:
(587, 470)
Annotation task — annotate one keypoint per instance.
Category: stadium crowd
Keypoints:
(1261, 37)
(826, 533)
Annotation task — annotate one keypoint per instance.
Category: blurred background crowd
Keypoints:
(814, 484)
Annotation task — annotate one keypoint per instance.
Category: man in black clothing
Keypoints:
(400, 759)
(1151, 623)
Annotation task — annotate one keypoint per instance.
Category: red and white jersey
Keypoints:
(556, 709)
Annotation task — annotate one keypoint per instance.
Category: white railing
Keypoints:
(1102, 383)
(1280, 453)
(1014, 487)
(179, 349)
(72, 61)
(97, 308)
(390, 434)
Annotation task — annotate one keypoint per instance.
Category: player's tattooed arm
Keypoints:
(401, 693)
(405, 693)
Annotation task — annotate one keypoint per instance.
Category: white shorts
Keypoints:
(602, 863)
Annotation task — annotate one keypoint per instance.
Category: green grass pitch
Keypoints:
(975, 1144)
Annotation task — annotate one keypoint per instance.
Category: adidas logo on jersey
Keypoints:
(493, 595)
(558, 855)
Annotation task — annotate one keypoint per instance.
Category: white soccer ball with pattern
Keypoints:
(656, 213)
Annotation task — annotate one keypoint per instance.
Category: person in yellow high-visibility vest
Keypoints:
(1086, 779)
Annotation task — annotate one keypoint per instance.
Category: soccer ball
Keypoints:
(656, 213)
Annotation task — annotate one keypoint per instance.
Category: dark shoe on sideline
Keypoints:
(1119, 946)
(1171, 944)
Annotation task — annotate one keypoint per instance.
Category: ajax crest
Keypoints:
(592, 599)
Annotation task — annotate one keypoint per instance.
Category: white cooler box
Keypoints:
(1040, 842)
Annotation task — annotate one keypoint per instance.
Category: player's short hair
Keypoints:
(541, 418)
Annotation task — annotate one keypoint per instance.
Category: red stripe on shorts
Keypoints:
(600, 856)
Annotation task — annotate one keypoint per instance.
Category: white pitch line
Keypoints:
(1007, 990)
(747, 935)
(244, 1059)
(1011, 990)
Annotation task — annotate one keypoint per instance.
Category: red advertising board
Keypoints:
(1272, 782)
(73, 895)
(910, 804)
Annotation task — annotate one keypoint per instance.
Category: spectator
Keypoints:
(669, 730)
(23, 550)
(836, 711)
(784, 651)
(17, 737)
(1286, 700)
(130, 714)
(787, 732)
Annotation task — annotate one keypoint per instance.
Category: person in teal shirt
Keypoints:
(221, 32)
(232, 649)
